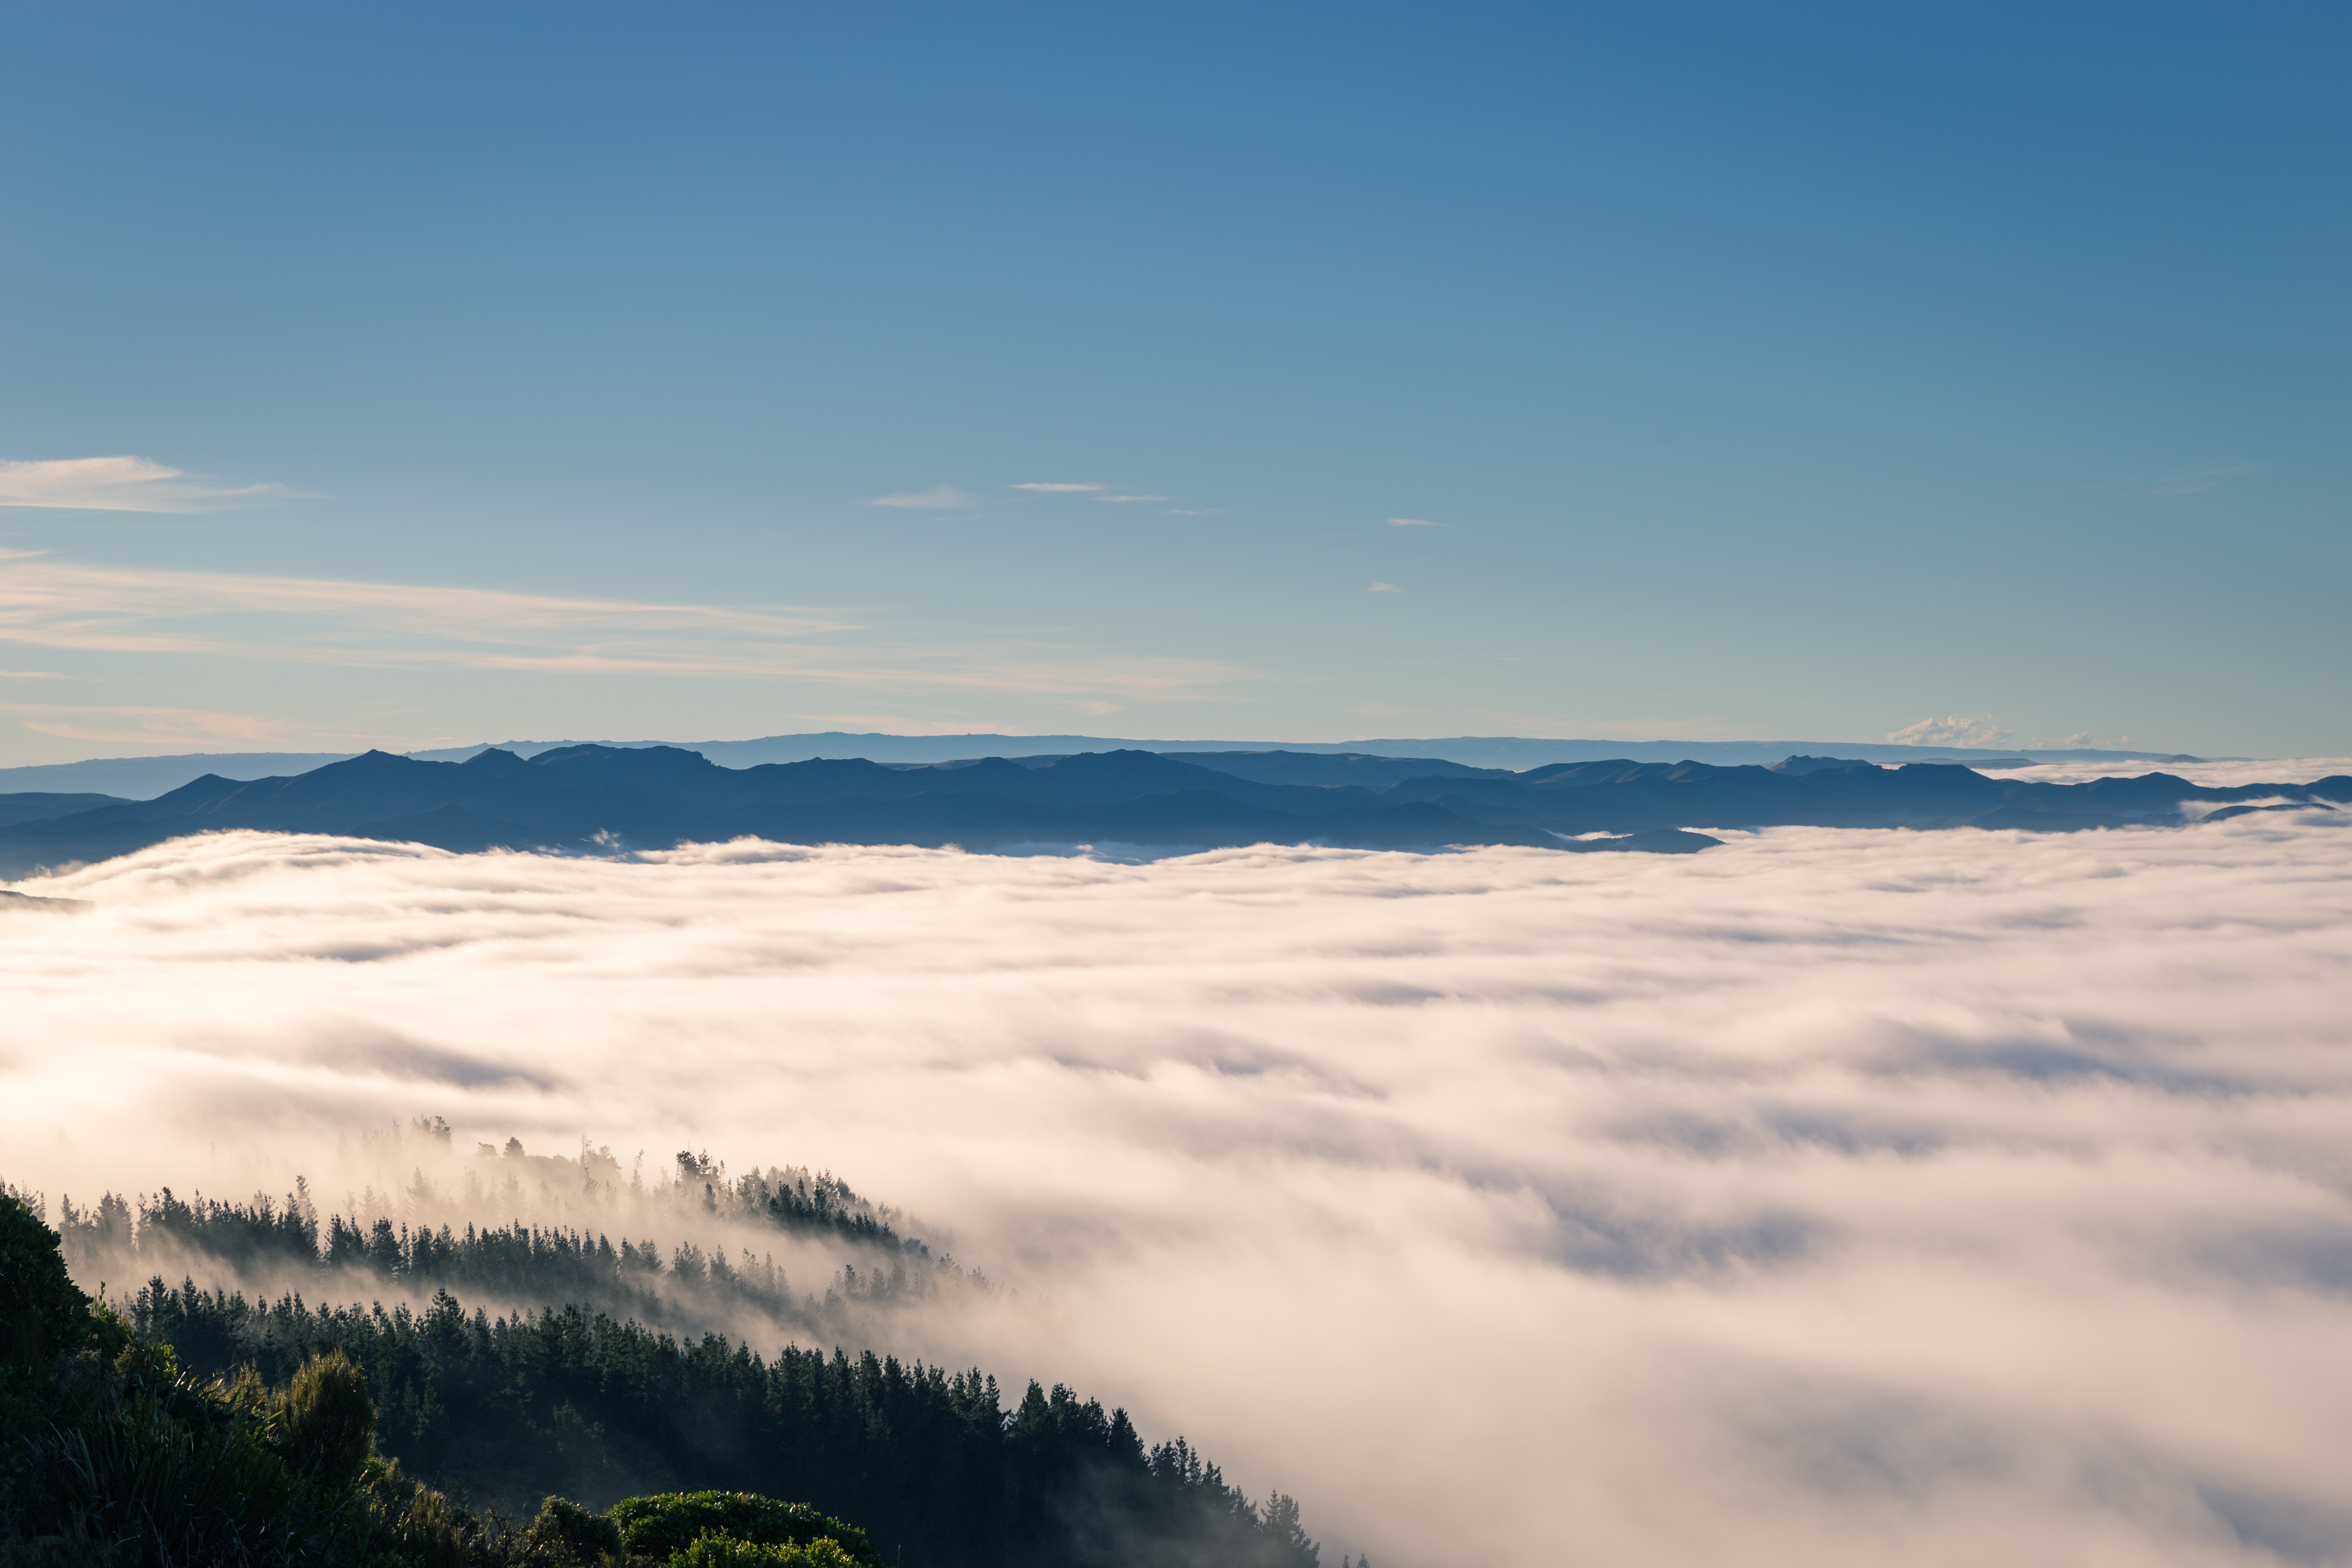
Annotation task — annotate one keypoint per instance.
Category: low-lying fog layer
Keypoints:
(1834, 1196)
(2215, 775)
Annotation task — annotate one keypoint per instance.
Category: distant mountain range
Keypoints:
(142, 778)
(596, 799)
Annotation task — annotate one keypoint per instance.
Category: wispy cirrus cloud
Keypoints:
(1095, 491)
(2197, 481)
(1384, 588)
(49, 602)
(938, 498)
(122, 484)
(148, 726)
(898, 724)
(1414, 523)
(2185, 482)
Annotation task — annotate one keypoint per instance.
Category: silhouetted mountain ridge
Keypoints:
(593, 798)
(1375, 762)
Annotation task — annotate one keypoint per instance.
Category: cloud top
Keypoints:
(1828, 1198)
(1953, 729)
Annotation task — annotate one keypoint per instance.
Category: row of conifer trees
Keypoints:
(471, 1418)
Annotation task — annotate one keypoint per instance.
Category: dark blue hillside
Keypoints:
(33, 806)
(1622, 797)
(592, 799)
(1326, 769)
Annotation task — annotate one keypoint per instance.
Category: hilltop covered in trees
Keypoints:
(929, 1463)
(592, 1372)
(779, 1250)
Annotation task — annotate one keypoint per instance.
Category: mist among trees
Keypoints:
(521, 1366)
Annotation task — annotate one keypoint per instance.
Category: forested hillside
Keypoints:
(517, 1361)
(780, 1251)
(928, 1463)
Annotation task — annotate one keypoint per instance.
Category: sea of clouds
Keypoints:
(1836, 1197)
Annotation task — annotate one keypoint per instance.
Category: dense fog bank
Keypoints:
(1836, 1195)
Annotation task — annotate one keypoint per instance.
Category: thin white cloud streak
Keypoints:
(1097, 492)
(1414, 523)
(146, 726)
(50, 603)
(2186, 482)
(939, 498)
(121, 484)
(899, 724)
(1837, 1197)
(2197, 481)
(1384, 588)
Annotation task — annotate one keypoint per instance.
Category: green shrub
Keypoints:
(725, 1551)
(43, 1313)
(326, 1422)
(114, 1455)
(427, 1534)
(670, 1523)
(564, 1534)
(138, 1453)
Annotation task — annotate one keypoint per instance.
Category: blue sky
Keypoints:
(1741, 371)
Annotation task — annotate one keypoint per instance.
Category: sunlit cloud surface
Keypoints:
(1953, 730)
(1834, 1197)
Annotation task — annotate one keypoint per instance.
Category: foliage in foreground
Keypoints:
(931, 1463)
(115, 1454)
(671, 1523)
